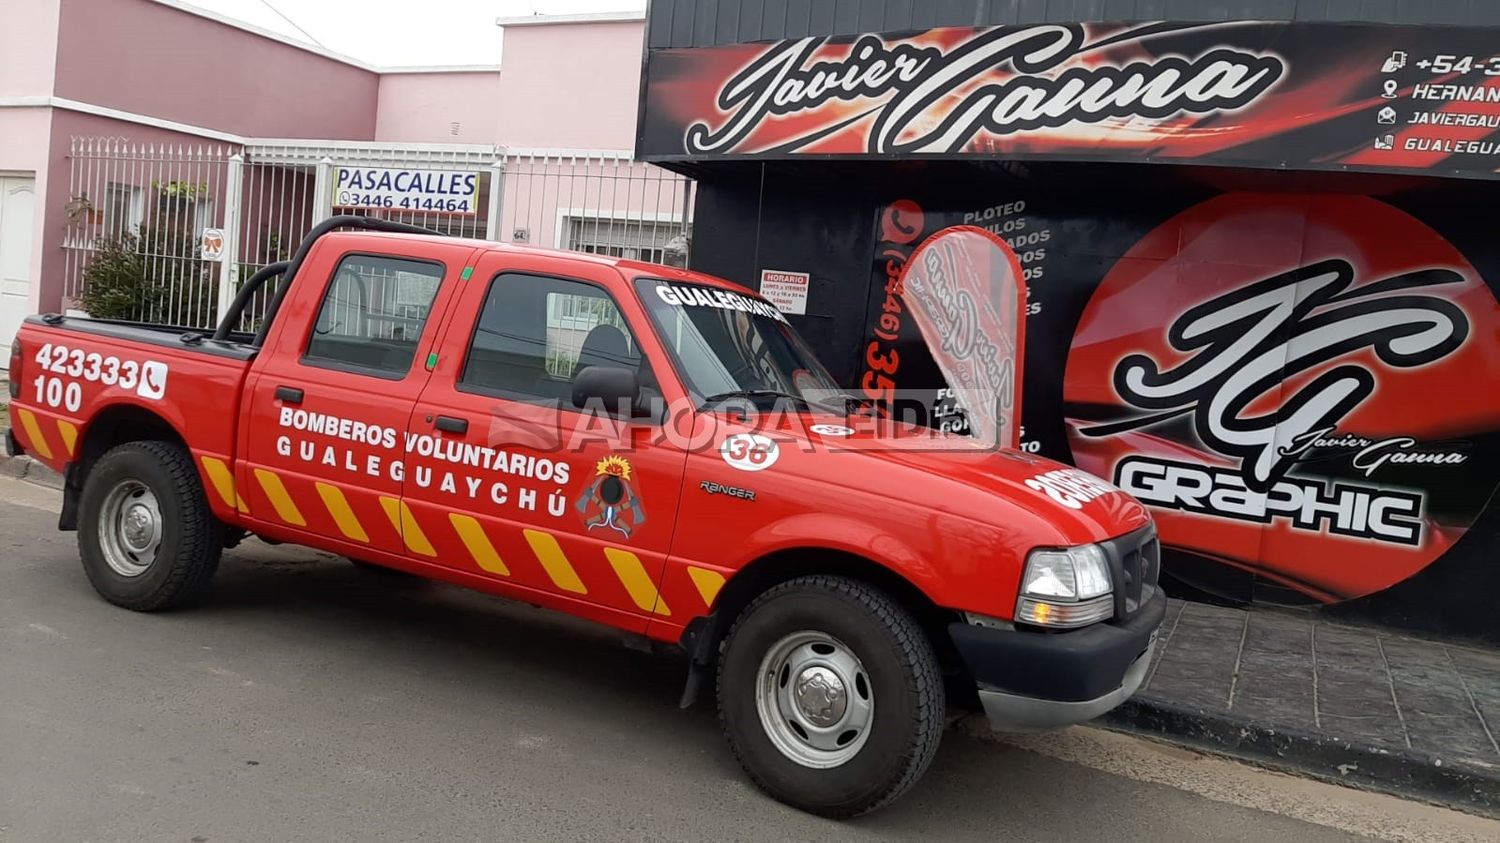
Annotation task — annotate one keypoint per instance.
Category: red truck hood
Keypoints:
(951, 473)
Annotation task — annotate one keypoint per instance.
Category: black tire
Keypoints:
(908, 701)
(191, 538)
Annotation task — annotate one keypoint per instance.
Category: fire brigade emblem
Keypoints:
(609, 502)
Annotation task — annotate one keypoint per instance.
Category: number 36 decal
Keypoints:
(750, 451)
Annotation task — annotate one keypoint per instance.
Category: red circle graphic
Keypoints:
(1289, 381)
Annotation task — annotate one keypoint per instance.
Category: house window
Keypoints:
(124, 206)
(641, 240)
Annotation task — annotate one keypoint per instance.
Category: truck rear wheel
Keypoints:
(830, 695)
(146, 535)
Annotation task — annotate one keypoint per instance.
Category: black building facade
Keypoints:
(1256, 239)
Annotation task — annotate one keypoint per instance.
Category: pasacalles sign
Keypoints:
(436, 191)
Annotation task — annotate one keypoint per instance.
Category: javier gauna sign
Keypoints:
(445, 191)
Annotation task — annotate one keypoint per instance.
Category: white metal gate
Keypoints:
(288, 186)
(137, 213)
(593, 201)
(134, 216)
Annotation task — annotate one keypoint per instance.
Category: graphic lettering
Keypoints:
(1070, 487)
(1338, 508)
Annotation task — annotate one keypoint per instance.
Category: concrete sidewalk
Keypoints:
(23, 468)
(1363, 706)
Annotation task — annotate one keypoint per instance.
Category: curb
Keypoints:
(1466, 785)
(28, 469)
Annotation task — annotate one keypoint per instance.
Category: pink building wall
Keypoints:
(563, 85)
(52, 271)
(28, 46)
(543, 193)
(573, 85)
(447, 107)
(152, 59)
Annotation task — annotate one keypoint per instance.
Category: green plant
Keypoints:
(114, 282)
(272, 248)
(177, 189)
(151, 276)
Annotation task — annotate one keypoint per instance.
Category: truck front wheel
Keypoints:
(146, 534)
(830, 695)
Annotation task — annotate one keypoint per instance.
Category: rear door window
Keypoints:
(372, 315)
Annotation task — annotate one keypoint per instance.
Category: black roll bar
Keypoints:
(289, 270)
(242, 298)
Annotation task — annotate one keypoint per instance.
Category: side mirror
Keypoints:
(616, 388)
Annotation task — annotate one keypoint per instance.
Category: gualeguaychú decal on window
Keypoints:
(433, 191)
(1253, 93)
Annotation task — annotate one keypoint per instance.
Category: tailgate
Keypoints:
(77, 376)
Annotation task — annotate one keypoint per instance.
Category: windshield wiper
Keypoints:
(752, 395)
(858, 402)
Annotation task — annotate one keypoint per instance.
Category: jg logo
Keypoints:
(1245, 345)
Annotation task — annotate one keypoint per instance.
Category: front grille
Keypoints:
(1135, 561)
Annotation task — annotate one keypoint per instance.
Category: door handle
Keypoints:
(290, 395)
(449, 424)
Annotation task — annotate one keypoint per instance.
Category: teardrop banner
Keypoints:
(963, 287)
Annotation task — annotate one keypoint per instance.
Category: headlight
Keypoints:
(1065, 587)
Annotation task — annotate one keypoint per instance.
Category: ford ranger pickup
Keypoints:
(642, 446)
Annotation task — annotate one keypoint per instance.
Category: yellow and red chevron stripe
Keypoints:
(35, 438)
(557, 561)
(221, 480)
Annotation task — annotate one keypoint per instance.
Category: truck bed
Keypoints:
(238, 346)
(75, 376)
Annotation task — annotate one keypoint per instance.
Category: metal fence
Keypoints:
(601, 202)
(141, 210)
(287, 187)
(134, 214)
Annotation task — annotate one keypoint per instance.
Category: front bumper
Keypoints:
(1032, 681)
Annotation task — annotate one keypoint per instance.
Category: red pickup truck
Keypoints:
(512, 420)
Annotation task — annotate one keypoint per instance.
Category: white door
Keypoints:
(17, 198)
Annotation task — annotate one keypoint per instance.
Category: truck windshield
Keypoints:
(732, 345)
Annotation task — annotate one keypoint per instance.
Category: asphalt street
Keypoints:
(311, 700)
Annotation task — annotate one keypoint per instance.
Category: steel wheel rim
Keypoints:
(815, 699)
(130, 528)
